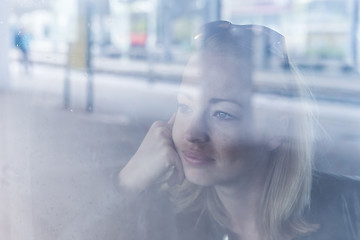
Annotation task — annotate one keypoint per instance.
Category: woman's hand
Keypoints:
(154, 158)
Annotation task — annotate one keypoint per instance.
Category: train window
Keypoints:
(164, 119)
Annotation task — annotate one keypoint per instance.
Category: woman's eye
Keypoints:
(223, 115)
(182, 108)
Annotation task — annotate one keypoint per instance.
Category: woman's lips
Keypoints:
(196, 158)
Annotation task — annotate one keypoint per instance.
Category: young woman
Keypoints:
(238, 163)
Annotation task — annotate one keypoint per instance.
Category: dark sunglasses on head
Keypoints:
(248, 36)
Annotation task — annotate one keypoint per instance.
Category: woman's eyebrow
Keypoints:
(217, 100)
(186, 94)
(183, 94)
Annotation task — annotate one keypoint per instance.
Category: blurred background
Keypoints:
(82, 80)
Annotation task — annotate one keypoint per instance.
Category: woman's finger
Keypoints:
(172, 119)
(178, 175)
(180, 172)
(172, 180)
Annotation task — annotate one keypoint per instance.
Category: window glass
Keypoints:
(82, 82)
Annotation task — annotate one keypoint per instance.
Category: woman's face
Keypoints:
(214, 131)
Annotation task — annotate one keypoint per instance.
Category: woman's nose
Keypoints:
(197, 131)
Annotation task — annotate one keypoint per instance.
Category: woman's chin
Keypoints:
(200, 179)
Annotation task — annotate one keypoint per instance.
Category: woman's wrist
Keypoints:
(129, 183)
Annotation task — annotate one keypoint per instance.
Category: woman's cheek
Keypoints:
(177, 132)
(227, 131)
(233, 139)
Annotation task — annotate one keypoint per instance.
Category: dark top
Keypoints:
(335, 206)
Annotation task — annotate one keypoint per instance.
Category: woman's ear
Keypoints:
(279, 133)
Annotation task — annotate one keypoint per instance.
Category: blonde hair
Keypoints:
(288, 182)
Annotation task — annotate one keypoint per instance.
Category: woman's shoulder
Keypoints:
(327, 185)
(335, 206)
(336, 194)
(327, 176)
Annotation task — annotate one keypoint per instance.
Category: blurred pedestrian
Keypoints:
(22, 42)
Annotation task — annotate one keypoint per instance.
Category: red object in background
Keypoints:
(138, 39)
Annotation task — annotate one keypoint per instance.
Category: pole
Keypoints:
(212, 11)
(67, 87)
(4, 46)
(354, 34)
(90, 82)
(167, 19)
